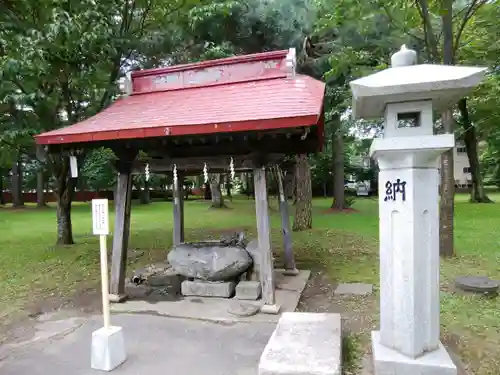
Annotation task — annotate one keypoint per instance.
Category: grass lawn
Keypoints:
(343, 246)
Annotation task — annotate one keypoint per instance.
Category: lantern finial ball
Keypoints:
(404, 57)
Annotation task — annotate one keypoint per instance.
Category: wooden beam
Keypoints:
(178, 235)
(264, 241)
(123, 195)
(215, 164)
(286, 140)
(266, 145)
(290, 268)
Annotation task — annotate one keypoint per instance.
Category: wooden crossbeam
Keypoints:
(194, 165)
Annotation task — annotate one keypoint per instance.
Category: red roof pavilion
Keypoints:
(250, 93)
(251, 109)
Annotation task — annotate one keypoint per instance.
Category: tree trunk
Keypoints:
(2, 199)
(186, 188)
(207, 191)
(248, 185)
(215, 188)
(447, 202)
(17, 184)
(338, 166)
(294, 186)
(477, 194)
(40, 185)
(64, 191)
(288, 185)
(269, 188)
(64, 195)
(145, 194)
(289, 260)
(303, 208)
(228, 185)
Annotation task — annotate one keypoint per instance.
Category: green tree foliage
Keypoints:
(61, 59)
(60, 62)
(98, 172)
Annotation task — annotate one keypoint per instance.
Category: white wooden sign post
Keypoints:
(101, 228)
(108, 346)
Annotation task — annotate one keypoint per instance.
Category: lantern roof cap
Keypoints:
(444, 85)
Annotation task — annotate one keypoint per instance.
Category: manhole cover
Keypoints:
(477, 284)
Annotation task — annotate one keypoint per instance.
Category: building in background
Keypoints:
(461, 166)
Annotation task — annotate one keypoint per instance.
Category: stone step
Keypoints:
(201, 288)
(304, 344)
(248, 290)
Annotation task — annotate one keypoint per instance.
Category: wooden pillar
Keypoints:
(178, 236)
(123, 195)
(264, 241)
(290, 268)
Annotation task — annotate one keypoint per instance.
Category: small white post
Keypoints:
(104, 281)
(108, 347)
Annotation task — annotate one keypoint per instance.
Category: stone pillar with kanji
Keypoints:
(408, 154)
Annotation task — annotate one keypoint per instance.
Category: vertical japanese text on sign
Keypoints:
(100, 217)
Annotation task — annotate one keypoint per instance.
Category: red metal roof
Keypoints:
(244, 93)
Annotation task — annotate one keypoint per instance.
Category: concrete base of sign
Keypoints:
(304, 344)
(389, 362)
(108, 348)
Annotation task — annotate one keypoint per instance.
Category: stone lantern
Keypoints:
(407, 95)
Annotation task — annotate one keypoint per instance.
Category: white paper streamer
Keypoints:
(73, 166)
(205, 173)
(231, 169)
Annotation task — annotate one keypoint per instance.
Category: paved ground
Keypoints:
(156, 345)
(191, 336)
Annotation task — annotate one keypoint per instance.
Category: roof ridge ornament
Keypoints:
(404, 57)
(291, 62)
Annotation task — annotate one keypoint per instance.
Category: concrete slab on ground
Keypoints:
(304, 344)
(155, 345)
(356, 289)
(288, 292)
